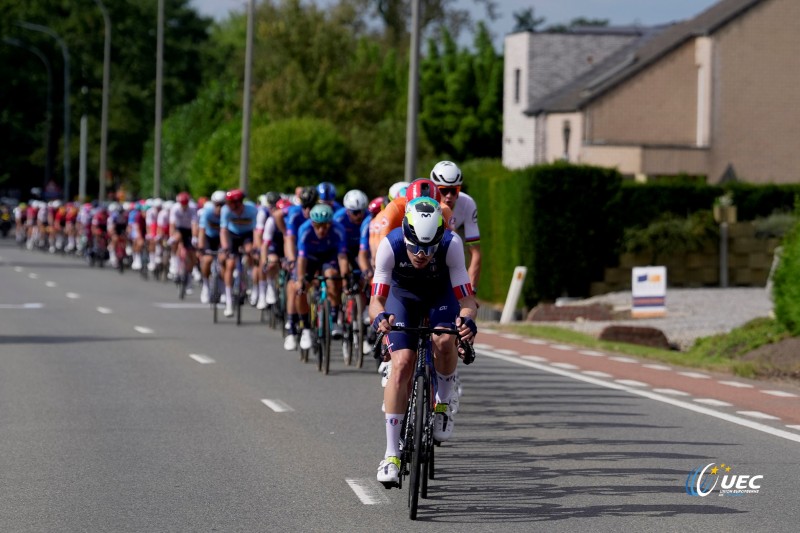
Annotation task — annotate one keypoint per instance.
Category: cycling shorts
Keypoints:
(186, 238)
(408, 310)
(239, 241)
(315, 267)
(212, 243)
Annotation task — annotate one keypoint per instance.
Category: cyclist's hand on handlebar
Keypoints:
(467, 328)
(383, 322)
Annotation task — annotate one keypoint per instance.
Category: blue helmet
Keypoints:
(321, 214)
(326, 191)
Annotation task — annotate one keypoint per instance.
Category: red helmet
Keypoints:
(201, 202)
(235, 195)
(423, 187)
(376, 205)
(283, 203)
(182, 198)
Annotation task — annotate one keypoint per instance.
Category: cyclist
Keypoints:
(182, 221)
(447, 176)
(327, 195)
(153, 246)
(272, 249)
(295, 217)
(237, 220)
(419, 270)
(117, 229)
(321, 244)
(266, 206)
(208, 239)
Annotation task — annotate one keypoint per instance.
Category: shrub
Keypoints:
(786, 287)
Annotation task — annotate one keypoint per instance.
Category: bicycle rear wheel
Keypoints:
(325, 339)
(358, 333)
(418, 452)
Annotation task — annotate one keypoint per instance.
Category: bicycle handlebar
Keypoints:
(466, 349)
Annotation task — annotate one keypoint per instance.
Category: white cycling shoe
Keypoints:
(389, 471)
(305, 339)
(290, 342)
(443, 422)
(229, 309)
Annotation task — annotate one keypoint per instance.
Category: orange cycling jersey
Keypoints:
(392, 217)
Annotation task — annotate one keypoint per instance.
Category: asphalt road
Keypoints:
(119, 412)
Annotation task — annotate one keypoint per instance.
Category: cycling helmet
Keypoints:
(423, 224)
(446, 174)
(355, 200)
(271, 198)
(398, 189)
(321, 214)
(113, 207)
(234, 195)
(309, 197)
(326, 191)
(158, 203)
(182, 198)
(423, 187)
(376, 205)
(283, 203)
(218, 197)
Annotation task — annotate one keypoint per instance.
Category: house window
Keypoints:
(516, 85)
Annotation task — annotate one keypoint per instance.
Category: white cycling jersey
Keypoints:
(182, 218)
(465, 214)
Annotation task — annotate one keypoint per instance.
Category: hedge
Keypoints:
(786, 288)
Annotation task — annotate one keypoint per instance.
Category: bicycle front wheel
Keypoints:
(418, 452)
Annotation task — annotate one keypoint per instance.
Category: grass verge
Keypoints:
(721, 353)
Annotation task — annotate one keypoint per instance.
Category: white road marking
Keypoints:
(203, 359)
(631, 383)
(73, 295)
(18, 269)
(507, 352)
(489, 330)
(535, 358)
(794, 427)
(672, 392)
(623, 359)
(695, 375)
(277, 406)
(22, 306)
(565, 366)
(592, 353)
(597, 374)
(511, 336)
(143, 330)
(712, 401)
(104, 310)
(780, 393)
(758, 414)
(33, 276)
(368, 491)
(657, 367)
(738, 420)
(50, 284)
(737, 384)
(187, 305)
(481, 346)
(538, 342)
(563, 347)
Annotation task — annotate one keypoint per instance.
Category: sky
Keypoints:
(618, 12)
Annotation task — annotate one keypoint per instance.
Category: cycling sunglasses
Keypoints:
(355, 213)
(417, 249)
(449, 190)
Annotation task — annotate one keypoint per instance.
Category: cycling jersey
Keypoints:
(322, 249)
(273, 237)
(182, 218)
(239, 224)
(210, 221)
(465, 214)
(352, 232)
(295, 217)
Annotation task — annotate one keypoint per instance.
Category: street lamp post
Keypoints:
(413, 95)
(248, 67)
(65, 54)
(48, 164)
(159, 83)
(104, 113)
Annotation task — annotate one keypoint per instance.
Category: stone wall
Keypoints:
(749, 263)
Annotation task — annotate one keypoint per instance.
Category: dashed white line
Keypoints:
(695, 375)
(18, 269)
(22, 306)
(368, 491)
(566, 366)
(482, 346)
(736, 384)
(202, 359)
(758, 414)
(671, 392)
(562, 347)
(511, 336)
(143, 330)
(657, 367)
(33, 275)
(277, 405)
(73, 295)
(794, 427)
(507, 352)
(592, 353)
(623, 359)
(535, 358)
(780, 393)
(631, 383)
(538, 342)
(104, 310)
(712, 401)
(597, 374)
(50, 284)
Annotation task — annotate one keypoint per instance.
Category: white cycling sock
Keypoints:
(444, 386)
(229, 295)
(394, 424)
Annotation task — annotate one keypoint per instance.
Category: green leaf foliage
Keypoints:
(786, 287)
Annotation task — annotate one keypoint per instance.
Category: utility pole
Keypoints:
(248, 68)
(104, 113)
(159, 83)
(413, 95)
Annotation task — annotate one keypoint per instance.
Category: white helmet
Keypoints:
(355, 200)
(446, 174)
(218, 197)
(423, 224)
(113, 207)
(398, 189)
(158, 203)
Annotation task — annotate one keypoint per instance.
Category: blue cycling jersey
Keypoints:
(321, 250)
(209, 221)
(352, 231)
(294, 219)
(363, 239)
(239, 223)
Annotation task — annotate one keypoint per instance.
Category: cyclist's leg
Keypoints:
(443, 313)
(334, 296)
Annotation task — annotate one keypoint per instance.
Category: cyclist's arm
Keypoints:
(344, 266)
(224, 238)
(474, 265)
(459, 278)
(302, 265)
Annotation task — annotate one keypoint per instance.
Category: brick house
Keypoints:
(707, 96)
